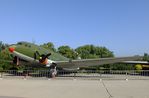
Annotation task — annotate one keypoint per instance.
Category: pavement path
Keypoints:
(74, 88)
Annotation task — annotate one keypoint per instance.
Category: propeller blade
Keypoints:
(48, 55)
(35, 56)
(38, 53)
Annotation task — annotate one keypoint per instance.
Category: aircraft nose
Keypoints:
(11, 49)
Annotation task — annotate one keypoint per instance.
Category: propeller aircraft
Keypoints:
(44, 60)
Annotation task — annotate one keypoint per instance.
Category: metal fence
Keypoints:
(83, 74)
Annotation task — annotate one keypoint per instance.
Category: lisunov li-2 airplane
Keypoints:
(43, 60)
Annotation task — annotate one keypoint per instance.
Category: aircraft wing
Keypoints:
(136, 62)
(24, 57)
(78, 63)
(94, 62)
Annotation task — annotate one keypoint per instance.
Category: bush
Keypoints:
(138, 67)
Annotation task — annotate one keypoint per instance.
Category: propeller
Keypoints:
(42, 57)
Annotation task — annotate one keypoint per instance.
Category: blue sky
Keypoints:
(120, 25)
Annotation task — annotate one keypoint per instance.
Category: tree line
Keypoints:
(81, 52)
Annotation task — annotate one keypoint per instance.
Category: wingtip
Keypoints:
(11, 49)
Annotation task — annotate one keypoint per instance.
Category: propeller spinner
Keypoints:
(42, 58)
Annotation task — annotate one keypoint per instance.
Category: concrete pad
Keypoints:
(74, 88)
(52, 89)
(128, 89)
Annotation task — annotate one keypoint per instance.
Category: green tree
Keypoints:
(2, 46)
(91, 51)
(138, 67)
(119, 66)
(103, 52)
(4, 55)
(49, 45)
(67, 52)
(146, 57)
(87, 51)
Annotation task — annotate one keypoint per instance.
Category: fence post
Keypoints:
(48, 74)
(100, 76)
(25, 74)
(1, 75)
(74, 77)
(126, 76)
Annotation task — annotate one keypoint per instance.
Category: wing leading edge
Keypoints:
(94, 62)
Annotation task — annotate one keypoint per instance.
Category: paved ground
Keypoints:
(74, 88)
